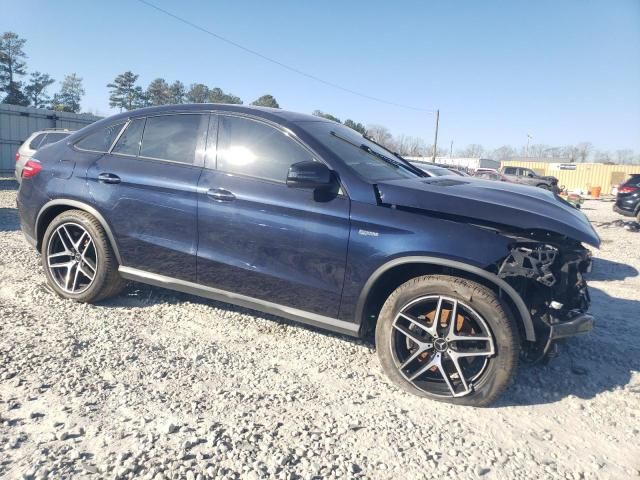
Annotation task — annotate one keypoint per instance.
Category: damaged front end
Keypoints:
(549, 278)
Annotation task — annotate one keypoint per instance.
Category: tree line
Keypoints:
(126, 94)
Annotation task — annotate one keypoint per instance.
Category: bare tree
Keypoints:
(503, 153)
(472, 150)
(624, 156)
(584, 149)
(381, 134)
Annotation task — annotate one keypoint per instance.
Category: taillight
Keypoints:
(17, 157)
(627, 189)
(31, 169)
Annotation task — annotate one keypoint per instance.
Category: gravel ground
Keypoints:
(156, 384)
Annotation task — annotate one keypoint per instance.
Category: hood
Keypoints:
(502, 203)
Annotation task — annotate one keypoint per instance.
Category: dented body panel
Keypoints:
(500, 204)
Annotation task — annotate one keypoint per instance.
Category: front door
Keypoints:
(260, 238)
(147, 187)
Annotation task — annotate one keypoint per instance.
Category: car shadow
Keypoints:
(141, 295)
(588, 365)
(9, 221)
(604, 270)
(8, 184)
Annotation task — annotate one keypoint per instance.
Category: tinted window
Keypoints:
(35, 143)
(247, 147)
(129, 141)
(53, 137)
(101, 139)
(368, 166)
(173, 137)
(510, 170)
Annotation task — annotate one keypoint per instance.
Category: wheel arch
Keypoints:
(53, 208)
(393, 273)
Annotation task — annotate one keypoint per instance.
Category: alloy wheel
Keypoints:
(72, 258)
(441, 345)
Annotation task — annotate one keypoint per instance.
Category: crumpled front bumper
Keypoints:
(576, 325)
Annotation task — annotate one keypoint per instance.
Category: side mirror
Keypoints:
(309, 175)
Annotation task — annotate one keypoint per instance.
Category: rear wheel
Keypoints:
(78, 260)
(543, 185)
(448, 339)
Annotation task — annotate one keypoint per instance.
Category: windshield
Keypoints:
(369, 160)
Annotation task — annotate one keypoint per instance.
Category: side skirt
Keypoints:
(309, 318)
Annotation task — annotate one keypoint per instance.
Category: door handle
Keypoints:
(108, 178)
(221, 195)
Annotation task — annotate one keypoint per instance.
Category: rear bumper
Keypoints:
(577, 325)
(622, 211)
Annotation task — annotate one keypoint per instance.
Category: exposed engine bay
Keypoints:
(549, 277)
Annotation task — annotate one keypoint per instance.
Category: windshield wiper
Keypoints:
(401, 163)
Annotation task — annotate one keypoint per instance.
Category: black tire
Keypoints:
(498, 369)
(543, 185)
(106, 281)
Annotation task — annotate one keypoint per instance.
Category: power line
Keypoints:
(276, 62)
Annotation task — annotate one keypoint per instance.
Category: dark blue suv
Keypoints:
(306, 219)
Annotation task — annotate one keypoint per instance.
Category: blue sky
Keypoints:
(565, 71)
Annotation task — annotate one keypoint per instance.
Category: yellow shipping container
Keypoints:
(581, 176)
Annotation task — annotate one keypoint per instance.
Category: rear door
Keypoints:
(260, 238)
(146, 189)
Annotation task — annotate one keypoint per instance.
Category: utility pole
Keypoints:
(451, 150)
(529, 137)
(435, 140)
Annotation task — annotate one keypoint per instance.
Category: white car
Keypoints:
(36, 141)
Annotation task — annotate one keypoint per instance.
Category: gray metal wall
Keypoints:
(17, 123)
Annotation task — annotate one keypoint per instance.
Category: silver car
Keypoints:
(36, 141)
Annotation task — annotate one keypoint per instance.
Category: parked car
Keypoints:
(527, 176)
(438, 170)
(434, 170)
(306, 219)
(492, 174)
(628, 197)
(36, 141)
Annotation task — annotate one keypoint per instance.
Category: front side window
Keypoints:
(101, 139)
(129, 141)
(358, 153)
(173, 137)
(248, 147)
(35, 143)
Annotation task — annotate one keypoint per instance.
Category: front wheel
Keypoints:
(447, 339)
(78, 259)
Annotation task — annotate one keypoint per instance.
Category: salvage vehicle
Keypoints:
(628, 197)
(527, 176)
(304, 218)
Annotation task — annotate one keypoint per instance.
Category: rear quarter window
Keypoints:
(53, 138)
(100, 140)
(35, 143)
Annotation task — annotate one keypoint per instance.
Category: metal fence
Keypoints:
(17, 123)
(581, 176)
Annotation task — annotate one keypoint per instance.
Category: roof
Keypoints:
(273, 114)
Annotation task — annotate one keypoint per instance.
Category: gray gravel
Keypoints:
(160, 385)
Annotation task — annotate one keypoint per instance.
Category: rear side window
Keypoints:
(101, 139)
(53, 138)
(173, 137)
(129, 141)
(35, 143)
(251, 148)
(510, 170)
